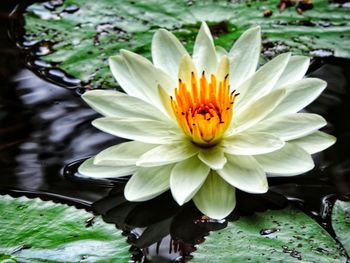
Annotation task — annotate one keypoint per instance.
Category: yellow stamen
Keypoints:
(204, 111)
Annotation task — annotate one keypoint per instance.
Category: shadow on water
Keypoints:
(45, 131)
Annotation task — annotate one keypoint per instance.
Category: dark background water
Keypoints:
(45, 131)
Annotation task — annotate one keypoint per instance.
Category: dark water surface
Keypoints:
(45, 132)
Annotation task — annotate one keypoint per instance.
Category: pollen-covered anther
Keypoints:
(204, 110)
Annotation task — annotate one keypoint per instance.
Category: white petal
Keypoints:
(256, 111)
(116, 104)
(291, 126)
(168, 153)
(220, 52)
(125, 79)
(204, 54)
(185, 71)
(244, 56)
(315, 142)
(244, 173)
(88, 168)
(186, 178)
(215, 198)
(223, 68)
(288, 161)
(167, 52)
(147, 183)
(126, 153)
(262, 81)
(144, 72)
(251, 143)
(299, 95)
(213, 157)
(166, 101)
(148, 131)
(295, 70)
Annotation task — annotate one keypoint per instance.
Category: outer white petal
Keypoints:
(88, 168)
(244, 173)
(244, 56)
(256, 111)
(168, 153)
(151, 77)
(251, 143)
(213, 157)
(216, 198)
(125, 79)
(186, 178)
(291, 126)
(204, 53)
(315, 142)
(167, 52)
(262, 81)
(116, 104)
(299, 95)
(147, 183)
(126, 153)
(288, 161)
(295, 70)
(148, 131)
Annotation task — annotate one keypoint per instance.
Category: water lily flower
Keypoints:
(205, 125)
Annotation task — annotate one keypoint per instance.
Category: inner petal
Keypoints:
(204, 108)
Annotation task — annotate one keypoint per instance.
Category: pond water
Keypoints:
(45, 133)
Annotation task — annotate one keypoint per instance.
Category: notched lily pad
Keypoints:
(286, 235)
(36, 231)
(86, 32)
(341, 223)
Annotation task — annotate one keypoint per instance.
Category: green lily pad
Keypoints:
(36, 231)
(80, 35)
(286, 235)
(341, 223)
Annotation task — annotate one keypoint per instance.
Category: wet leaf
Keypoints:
(79, 35)
(341, 223)
(32, 230)
(286, 235)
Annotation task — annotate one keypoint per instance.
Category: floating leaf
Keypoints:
(286, 235)
(80, 35)
(36, 231)
(341, 223)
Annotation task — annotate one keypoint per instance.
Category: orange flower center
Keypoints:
(204, 111)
